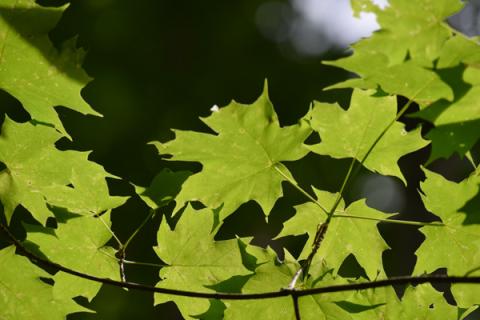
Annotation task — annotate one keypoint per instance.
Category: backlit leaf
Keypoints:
(239, 163)
(352, 133)
(195, 260)
(37, 174)
(32, 69)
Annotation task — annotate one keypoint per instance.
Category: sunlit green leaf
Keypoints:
(163, 189)
(32, 69)
(239, 163)
(195, 260)
(79, 244)
(341, 238)
(461, 243)
(37, 174)
(24, 296)
(352, 133)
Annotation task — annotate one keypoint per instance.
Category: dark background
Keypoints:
(158, 65)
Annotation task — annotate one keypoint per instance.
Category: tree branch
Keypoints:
(243, 296)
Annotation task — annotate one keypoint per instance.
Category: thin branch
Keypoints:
(296, 308)
(150, 214)
(244, 296)
(120, 244)
(147, 264)
(305, 193)
(407, 222)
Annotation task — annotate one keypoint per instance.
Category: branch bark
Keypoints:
(242, 296)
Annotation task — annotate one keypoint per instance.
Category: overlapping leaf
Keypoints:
(163, 189)
(416, 30)
(31, 68)
(79, 244)
(352, 133)
(239, 163)
(195, 260)
(456, 123)
(37, 174)
(342, 235)
(455, 246)
(23, 295)
(272, 275)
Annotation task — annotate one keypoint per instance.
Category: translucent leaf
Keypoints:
(163, 189)
(272, 275)
(341, 238)
(37, 174)
(79, 244)
(31, 68)
(459, 243)
(408, 29)
(456, 122)
(416, 28)
(239, 163)
(23, 296)
(196, 262)
(351, 133)
(459, 49)
(421, 302)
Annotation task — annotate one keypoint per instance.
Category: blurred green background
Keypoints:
(158, 65)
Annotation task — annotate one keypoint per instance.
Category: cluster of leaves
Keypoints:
(415, 55)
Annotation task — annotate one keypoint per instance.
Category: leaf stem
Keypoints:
(295, 184)
(120, 244)
(147, 264)
(406, 222)
(150, 214)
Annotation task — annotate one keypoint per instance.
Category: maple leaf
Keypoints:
(163, 188)
(32, 69)
(23, 295)
(38, 175)
(446, 199)
(456, 122)
(341, 238)
(407, 28)
(243, 160)
(352, 133)
(78, 243)
(195, 260)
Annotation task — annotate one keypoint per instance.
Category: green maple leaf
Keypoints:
(78, 244)
(271, 275)
(163, 189)
(351, 133)
(456, 122)
(341, 238)
(459, 50)
(196, 262)
(240, 162)
(420, 302)
(416, 29)
(31, 68)
(407, 79)
(23, 296)
(37, 174)
(446, 199)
